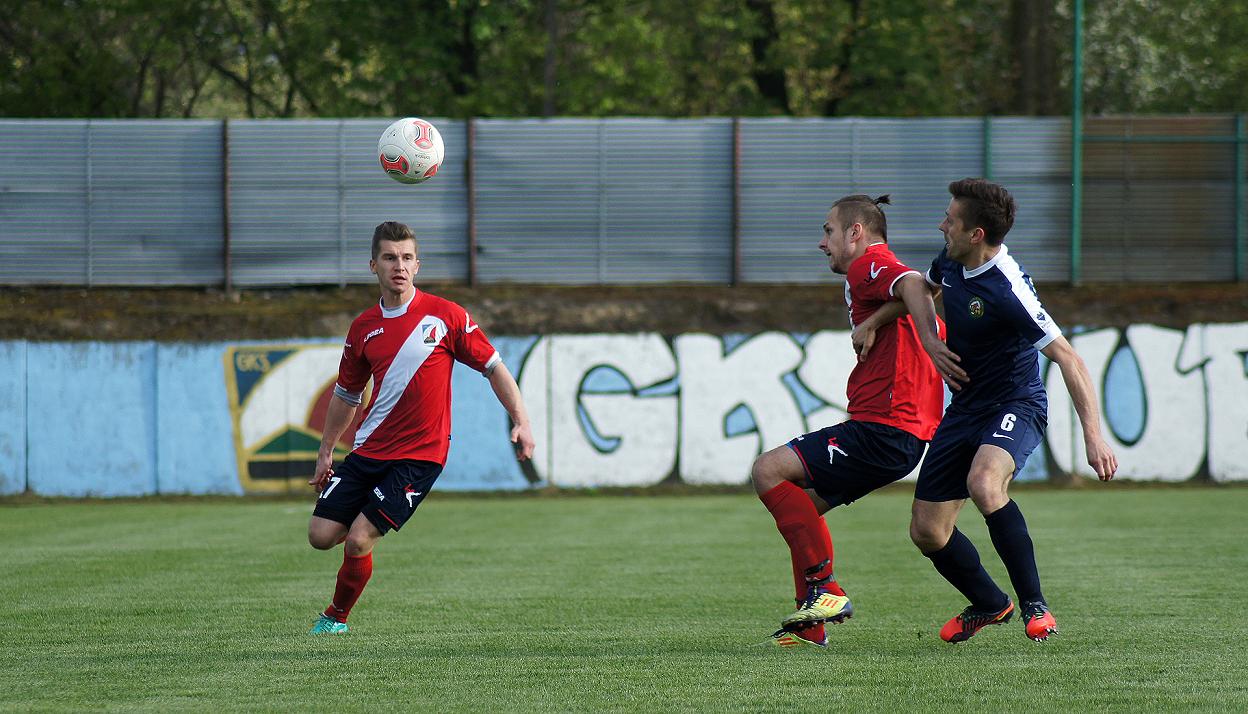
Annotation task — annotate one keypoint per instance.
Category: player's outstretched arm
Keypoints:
(508, 393)
(337, 418)
(917, 296)
(1079, 383)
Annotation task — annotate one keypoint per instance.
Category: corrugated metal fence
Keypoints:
(253, 203)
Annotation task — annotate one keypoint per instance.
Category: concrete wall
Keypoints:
(137, 418)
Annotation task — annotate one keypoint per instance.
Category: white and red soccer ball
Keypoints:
(411, 150)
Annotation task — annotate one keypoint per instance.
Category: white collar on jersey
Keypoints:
(399, 311)
(986, 266)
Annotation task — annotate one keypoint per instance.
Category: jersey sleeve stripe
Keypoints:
(491, 363)
(1048, 337)
(893, 284)
(352, 398)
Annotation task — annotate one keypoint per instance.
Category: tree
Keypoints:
(1156, 56)
(331, 58)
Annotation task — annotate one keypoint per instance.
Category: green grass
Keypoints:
(611, 603)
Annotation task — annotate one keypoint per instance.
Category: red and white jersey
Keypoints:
(409, 351)
(897, 385)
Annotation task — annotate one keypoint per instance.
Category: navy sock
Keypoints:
(1013, 543)
(959, 563)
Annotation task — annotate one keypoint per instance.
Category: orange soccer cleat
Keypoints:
(965, 624)
(1039, 621)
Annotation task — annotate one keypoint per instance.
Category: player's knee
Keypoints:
(324, 539)
(321, 542)
(988, 490)
(359, 543)
(765, 474)
(928, 536)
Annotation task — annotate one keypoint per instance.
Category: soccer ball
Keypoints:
(411, 150)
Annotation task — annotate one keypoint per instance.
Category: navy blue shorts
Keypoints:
(846, 461)
(1016, 427)
(386, 492)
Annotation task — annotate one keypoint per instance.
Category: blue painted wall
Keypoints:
(139, 418)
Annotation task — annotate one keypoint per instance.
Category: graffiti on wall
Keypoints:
(639, 409)
(278, 397)
(1176, 402)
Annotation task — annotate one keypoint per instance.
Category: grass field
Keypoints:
(591, 603)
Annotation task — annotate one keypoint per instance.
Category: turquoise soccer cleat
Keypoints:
(328, 626)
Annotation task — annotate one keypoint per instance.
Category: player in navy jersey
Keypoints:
(895, 400)
(407, 345)
(997, 326)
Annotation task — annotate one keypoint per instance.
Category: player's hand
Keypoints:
(522, 440)
(324, 470)
(863, 339)
(1101, 458)
(946, 363)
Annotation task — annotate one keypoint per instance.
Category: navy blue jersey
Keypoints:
(995, 324)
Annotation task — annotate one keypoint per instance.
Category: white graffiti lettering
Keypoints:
(636, 409)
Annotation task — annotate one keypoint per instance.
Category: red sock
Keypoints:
(831, 586)
(814, 633)
(799, 573)
(352, 577)
(804, 530)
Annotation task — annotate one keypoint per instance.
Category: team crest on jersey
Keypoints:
(976, 307)
(432, 330)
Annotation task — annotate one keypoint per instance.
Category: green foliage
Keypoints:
(1166, 57)
(330, 58)
(629, 603)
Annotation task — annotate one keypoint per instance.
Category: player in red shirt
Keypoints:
(895, 401)
(407, 344)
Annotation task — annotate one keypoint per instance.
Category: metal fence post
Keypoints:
(735, 275)
(987, 137)
(342, 204)
(470, 178)
(90, 200)
(226, 262)
(1076, 152)
(602, 201)
(1240, 219)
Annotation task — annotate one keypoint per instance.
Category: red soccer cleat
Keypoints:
(965, 624)
(1040, 622)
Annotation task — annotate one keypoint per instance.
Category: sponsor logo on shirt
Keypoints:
(372, 334)
(874, 271)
